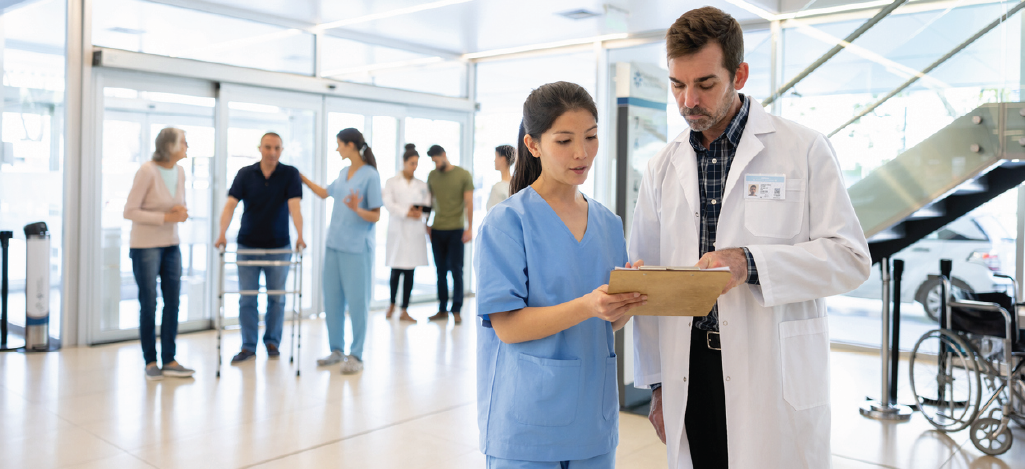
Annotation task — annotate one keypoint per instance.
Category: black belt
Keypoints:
(710, 338)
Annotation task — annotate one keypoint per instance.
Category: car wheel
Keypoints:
(930, 295)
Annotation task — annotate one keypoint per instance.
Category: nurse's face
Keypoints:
(567, 150)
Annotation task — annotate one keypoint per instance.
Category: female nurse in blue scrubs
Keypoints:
(547, 394)
(350, 248)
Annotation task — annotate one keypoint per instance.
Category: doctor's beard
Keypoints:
(709, 120)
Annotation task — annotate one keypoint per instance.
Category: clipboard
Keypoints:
(672, 291)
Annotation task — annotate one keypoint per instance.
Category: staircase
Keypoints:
(966, 164)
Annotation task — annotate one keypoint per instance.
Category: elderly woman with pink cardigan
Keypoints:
(156, 205)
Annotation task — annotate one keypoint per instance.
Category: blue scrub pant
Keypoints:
(605, 461)
(347, 281)
(147, 265)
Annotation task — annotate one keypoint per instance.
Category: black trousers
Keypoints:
(407, 286)
(448, 257)
(705, 421)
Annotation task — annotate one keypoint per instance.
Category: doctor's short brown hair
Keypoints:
(698, 28)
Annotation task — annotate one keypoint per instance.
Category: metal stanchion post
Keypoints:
(5, 244)
(881, 409)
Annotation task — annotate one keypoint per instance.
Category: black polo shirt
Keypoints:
(265, 202)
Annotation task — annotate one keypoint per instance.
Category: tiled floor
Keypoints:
(413, 407)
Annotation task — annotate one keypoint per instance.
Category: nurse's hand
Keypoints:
(733, 258)
(655, 415)
(600, 304)
(352, 201)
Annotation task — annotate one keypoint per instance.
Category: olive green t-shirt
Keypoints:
(448, 188)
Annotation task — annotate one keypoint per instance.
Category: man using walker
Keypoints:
(270, 192)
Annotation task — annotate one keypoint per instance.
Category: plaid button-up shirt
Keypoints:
(713, 168)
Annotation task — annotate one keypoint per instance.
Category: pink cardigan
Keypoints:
(148, 201)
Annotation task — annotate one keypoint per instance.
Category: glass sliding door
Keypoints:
(134, 111)
(253, 112)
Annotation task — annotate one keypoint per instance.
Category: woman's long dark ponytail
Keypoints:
(355, 137)
(542, 107)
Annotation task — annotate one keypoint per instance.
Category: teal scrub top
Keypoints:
(348, 232)
(556, 398)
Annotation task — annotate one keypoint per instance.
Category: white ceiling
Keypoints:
(476, 25)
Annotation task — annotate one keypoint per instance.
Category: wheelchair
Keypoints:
(978, 351)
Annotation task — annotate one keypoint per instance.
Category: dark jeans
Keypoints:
(706, 405)
(407, 285)
(147, 264)
(448, 257)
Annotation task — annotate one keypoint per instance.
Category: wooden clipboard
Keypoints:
(672, 291)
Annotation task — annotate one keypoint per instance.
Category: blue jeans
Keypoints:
(147, 264)
(448, 257)
(347, 281)
(248, 315)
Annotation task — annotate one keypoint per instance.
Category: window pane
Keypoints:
(191, 34)
(32, 152)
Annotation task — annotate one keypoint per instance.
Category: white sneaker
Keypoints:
(352, 365)
(335, 357)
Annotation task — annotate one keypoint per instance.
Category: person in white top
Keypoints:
(505, 156)
(156, 205)
(405, 198)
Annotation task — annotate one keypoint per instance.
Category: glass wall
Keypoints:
(357, 62)
(32, 150)
(132, 119)
(989, 70)
(160, 29)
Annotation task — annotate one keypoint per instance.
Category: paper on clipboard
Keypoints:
(672, 291)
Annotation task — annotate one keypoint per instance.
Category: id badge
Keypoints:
(765, 186)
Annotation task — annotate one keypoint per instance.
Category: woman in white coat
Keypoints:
(406, 247)
(505, 157)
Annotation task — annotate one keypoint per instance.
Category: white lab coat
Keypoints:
(775, 338)
(406, 245)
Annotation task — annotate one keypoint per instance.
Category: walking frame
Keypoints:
(295, 265)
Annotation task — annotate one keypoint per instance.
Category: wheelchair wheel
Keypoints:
(945, 380)
(984, 439)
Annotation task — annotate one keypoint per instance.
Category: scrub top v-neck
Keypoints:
(349, 232)
(556, 398)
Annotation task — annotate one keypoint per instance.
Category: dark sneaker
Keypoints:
(456, 318)
(441, 316)
(243, 356)
(176, 370)
(153, 373)
(272, 351)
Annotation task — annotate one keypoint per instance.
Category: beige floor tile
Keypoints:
(121, 461)
(64, 447)
(971, 458)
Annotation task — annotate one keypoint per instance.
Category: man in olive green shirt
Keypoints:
(452, 189)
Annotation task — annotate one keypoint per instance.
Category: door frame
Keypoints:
(92, 197)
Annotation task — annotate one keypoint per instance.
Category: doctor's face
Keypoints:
(567, 150)
(702, 87)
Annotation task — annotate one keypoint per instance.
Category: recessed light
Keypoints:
(121, 30)
(579, 14)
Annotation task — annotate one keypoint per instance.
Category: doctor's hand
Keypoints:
(733, 258)
(600, 304)
(655, 415)
(414, 212)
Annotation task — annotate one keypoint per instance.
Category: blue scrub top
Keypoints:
(556, 398)
(348, 231)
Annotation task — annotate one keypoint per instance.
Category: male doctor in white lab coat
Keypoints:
(747, 386)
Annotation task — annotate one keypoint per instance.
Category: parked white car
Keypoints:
(976, 255)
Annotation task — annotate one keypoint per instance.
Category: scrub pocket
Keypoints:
(781, 219)
(804, 350)
(546, 391)
(610, 399)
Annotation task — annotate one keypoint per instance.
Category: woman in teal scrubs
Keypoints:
(350, 248)
(547, 394)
